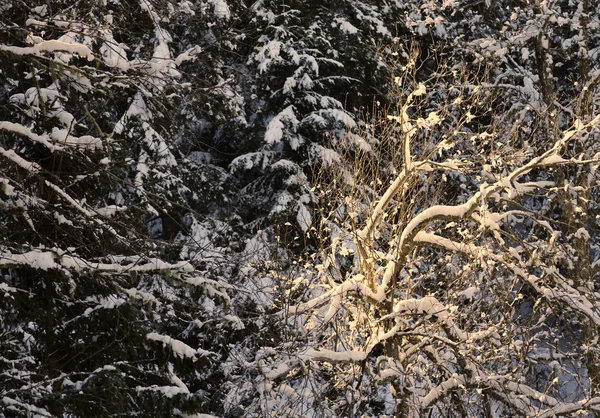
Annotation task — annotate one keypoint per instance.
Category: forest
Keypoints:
(300, 208)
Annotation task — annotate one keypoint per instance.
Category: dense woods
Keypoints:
(307, 208)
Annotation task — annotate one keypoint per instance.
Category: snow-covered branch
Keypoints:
(58, 259)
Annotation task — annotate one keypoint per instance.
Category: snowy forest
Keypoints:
(300, 208)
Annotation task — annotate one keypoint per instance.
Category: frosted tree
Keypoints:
(443, 288)
(546, 57)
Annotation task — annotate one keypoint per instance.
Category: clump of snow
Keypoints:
(32, 410)
(113, 54)
(267, 54)
(86, 141)
(26, 132)
(276, 126)
(110, 210)
(581, 233)
(74, 49)
(346, 26)
(235, 321)
(220, 9)
(327, 156)
(179, 348)
(421, 90)
(469, 293)
(37, 259)
(6, 288)
(109, 302)
(274, 131)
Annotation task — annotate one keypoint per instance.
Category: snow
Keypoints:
(427, 305)
(306, 82)
(267, 54)
(354, 284)
(359, 142)
(553, 159)
(338, 315)
(110, 210)
(274, 132)
(48, 97)
(190, 55)
(333, 356)
(469, 292)
(432, 119)
(41, 10)
(327, 156)
(6, 187)
(6, 288)
(51, 46)
(420, 91)
(289, 84)
(452, 383)
(220, 9)
(179, 348)
(436, 240)
(146, 297)
(168, 391)
(235, 321)
(184, 415)
(44, 259)
(284, 202)
(109, 302)
(162, 54)
(63, 137)
(113, 54)
(341, 116)
(582, 233)
(438, 212)
(79, 207)
(32, 410)
(61, 219)
(256, 249)
(346, 26)
(179, 383)
(24, 131)
(311, 354)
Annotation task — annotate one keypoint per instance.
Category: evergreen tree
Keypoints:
(104, 295)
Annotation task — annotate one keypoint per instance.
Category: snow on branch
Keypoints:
(179, 348)
(551, 156)
(450, 384)
(24, 131)
(333, 356)
(436, 212)
(426, 238)
(57, 259)
(13, 404)
(382, 204)
(51, 46)
(353, 284)
(311, 354)
(21, 162)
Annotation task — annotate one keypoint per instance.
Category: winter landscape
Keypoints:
(299, 208)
